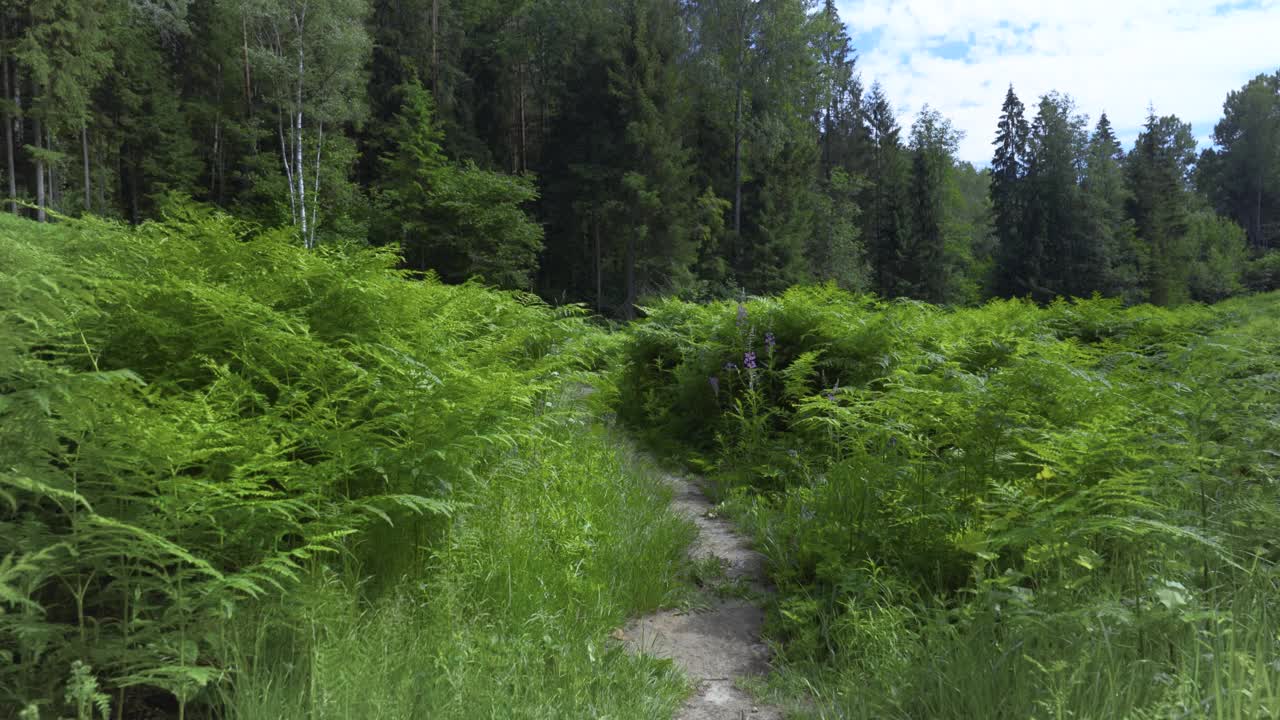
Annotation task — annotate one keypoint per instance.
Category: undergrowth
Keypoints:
(243, 479)
(1001, 512)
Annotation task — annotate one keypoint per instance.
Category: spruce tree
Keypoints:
(63, 54)
(884, 206)
(1067, 260)
(922, 257)
(845, 139)
(1015, 261)
(1105, 195)
(455, 219)
(658, 222)
(1157, 170)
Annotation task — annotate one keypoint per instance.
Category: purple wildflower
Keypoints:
(770, 341)
(742, 314)
(749, 361)
(715, 384)
(730, 367)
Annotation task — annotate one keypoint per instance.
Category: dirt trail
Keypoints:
(718, 644)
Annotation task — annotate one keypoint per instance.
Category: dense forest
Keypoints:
(606, 152)
(317, 402)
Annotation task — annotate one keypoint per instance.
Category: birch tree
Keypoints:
(309, 59)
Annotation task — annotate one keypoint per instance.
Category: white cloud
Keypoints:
(1116, 56)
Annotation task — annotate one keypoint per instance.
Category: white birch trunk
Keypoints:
(300, 22)
(300, 175)
(315, 186)
(288, 170)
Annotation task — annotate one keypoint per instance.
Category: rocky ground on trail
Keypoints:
(719, 643)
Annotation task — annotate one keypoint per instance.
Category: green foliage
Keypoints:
(1220, 257)
(1007, 511)
(1241, 175)
(1263, 274)
(551, 550)
(836, 252)
(457, 220)
(1157, 168)
(196, 417)
(923, 257)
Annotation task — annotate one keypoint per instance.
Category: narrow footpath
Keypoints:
(719, 644)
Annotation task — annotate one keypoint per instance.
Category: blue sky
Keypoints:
(1113, 56)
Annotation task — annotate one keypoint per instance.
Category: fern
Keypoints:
(1023, 471)
(196, 416)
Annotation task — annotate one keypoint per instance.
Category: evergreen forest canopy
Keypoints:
(606, 152)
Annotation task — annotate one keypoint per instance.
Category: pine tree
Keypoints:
(1015, 260)
(1053, 224)
(149, 139)
(659, 218)
(458, 220)
(582, 180)
(63, 54)
(835, 251)
(1105, 195)
(845, 138)
(1157, 170)
(884, 206)
(922, 260)
(727, 38)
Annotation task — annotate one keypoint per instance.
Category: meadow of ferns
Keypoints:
(240, 479)
(1001, 512)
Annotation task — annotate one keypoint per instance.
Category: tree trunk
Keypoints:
(299, 168)
(8, 134)
(435, 59)
(595, 224)
(737, 164)
(737, 127)
(301, 176)
(39, 159)
(524, 146)
(315, 186)
(53, 178)
(135, 213)
(288, 167)
(215, 160)
(215, 166)
(629, 307)
(248, 77)
(84, 146)
(1256, 222)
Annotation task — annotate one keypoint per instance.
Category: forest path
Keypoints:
(720, 643)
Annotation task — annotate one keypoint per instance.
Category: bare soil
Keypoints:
(720, 644)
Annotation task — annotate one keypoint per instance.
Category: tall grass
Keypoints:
(554, 549)
(239, 477)
(1007, 511)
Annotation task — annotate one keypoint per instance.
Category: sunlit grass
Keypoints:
(512, 620)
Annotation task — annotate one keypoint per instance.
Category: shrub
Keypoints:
(1263, 274)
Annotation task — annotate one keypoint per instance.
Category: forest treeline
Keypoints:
(604, 152)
